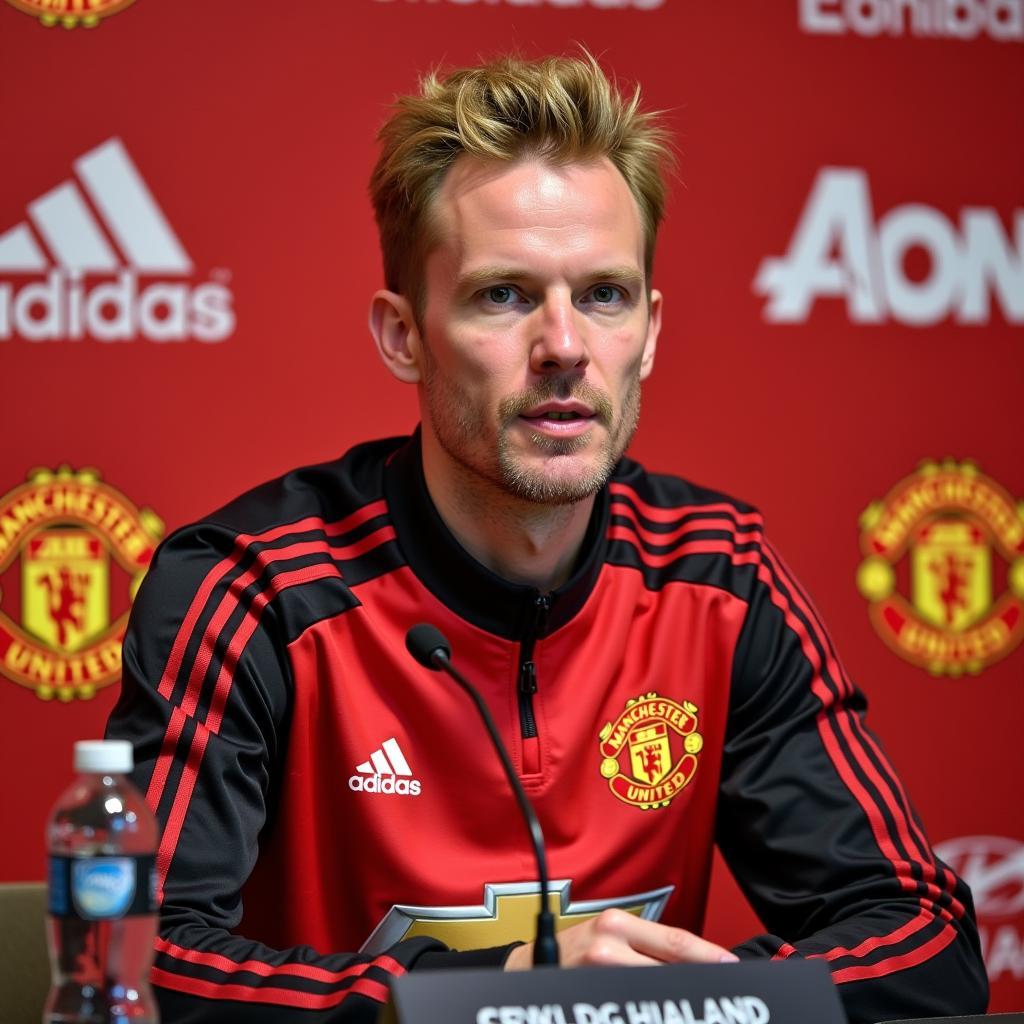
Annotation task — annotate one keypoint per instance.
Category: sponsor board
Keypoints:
(993, 867)
(840, 251)
(1002, 20)
(73, 551)
(943, 568)
(96, 258)
(70, 13)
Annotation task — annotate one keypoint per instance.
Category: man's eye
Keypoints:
(501, 295)
(604, 294)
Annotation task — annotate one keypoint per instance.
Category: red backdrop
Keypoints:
(843, 264)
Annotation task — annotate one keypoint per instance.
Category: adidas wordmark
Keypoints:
(386, 771)
(112, 267)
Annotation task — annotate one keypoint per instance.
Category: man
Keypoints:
(661, 680)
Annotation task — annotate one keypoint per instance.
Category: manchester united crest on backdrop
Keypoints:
(73, 551)
(943, 568)
(71, 13)
(649, 753)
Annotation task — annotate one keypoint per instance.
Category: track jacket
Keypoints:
(320, 792)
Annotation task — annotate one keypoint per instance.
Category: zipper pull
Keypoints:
(540, 615)
(528, 678)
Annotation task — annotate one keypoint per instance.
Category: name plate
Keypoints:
(749, 992)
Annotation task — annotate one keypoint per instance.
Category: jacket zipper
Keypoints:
(527, 668)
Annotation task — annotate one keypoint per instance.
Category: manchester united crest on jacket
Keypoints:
(650, 751)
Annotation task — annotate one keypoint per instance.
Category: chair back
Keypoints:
(24, 961)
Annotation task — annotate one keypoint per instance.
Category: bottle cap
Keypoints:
(114, 756)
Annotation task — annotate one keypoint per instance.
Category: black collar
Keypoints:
(468, 588)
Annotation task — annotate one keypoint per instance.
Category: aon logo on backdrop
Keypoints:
(838, 250)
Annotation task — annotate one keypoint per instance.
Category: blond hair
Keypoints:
(563, 109)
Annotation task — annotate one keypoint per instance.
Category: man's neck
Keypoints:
(521, 541)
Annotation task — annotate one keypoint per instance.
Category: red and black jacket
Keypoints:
(679, 690)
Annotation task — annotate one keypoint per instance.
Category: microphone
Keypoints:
(428, 646)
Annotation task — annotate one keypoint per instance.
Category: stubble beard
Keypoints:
(459, 428)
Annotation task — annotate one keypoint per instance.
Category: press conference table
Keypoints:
(25, 972)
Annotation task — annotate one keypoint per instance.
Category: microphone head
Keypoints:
(424, 642)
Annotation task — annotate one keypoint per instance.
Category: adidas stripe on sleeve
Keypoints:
(205, 701)
(812, 819)
(818, 830)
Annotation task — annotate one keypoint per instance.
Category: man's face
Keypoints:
(537, 328)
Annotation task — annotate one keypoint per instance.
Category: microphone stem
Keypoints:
(545, 949)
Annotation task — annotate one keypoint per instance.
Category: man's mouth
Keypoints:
(560, 420)
(556, 416)
(559, 412)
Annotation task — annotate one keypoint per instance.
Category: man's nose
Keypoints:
(560, 341)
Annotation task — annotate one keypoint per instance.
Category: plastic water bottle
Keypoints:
(101, 920)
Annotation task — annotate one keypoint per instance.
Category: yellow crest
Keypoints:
(83, 549)
(649, 753)
(65, 587)
(951, 573)
(933, 547)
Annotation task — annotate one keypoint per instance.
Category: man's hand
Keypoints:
(616, 937)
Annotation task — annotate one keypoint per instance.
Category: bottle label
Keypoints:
(100, 888)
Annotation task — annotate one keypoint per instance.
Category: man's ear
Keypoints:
(653, 330)
(394, 330)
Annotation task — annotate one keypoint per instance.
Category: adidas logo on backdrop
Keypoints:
(91, 240)
(387, 771)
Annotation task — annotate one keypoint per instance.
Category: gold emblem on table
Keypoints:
(650, 752)
(508, 913)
